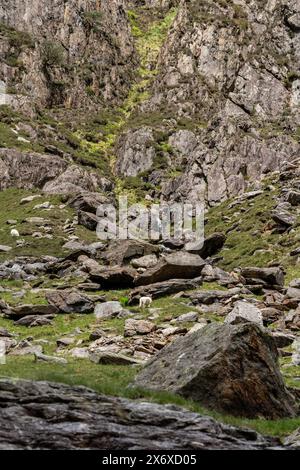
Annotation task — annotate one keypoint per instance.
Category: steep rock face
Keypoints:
(225, 102)
(41, 415)
(50, 173)
(70, 52)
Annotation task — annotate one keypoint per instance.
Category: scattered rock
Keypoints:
(293, 440)
(26, 349)
(188, 317)
(122, 252)
(282, 340)
(293, 197)
(247, 311)
(35, 320)
(5, 248)
(43, 358)
(283, 217)
(26, 200)
(116, 277)
(209, 297)
(108, 310)
(87, 202)
(65, 341)
(80, 353)
(147, 261)
(138, 327)
(112, 359)
(173, 330)
(96, 334)
(88, 220)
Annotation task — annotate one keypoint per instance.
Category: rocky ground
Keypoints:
(179, 115)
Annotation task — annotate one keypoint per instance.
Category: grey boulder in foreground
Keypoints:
(43, 415)
(229, 368)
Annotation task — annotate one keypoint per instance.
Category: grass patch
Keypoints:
(114, 380)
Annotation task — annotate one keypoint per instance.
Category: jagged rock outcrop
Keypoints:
(72, 52)
(51, 173)
(42, 415)
(225, 104)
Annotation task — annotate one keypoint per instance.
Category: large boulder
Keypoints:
(160, 289)
(88, 220)
(123, 251)
(266, 276)
(209, 247)
(70, 301)
(229, 368)
(246, 310)
(114, 277)
(209, 297)
(43, 415)
(87, 202)
(108, 310)
(24, 310)
(293, 290)
(179, 265)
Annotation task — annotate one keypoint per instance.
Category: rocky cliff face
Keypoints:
(202, 97)
(225, 102)
(72, 53)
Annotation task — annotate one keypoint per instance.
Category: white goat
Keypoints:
(14, 233)
(145, 302)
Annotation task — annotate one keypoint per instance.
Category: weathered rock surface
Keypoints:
(51, 173)
(42, 415)
(218, 67)
(211, 245)
(160, 289)
(70, 301)
(140, 327)
(35, 320)
(231, 368)
(58, 36)
(123, 251)
(110, 358)
(113, 277)
(25, 310)
(208, 297)
(247, 311)
(108, 310)
(174, 266)
(266, 276)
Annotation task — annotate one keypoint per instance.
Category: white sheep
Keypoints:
(145, 302)
(14, 233)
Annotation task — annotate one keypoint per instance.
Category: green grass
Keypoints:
(10, 199)
(251, 242)
(115, 381)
